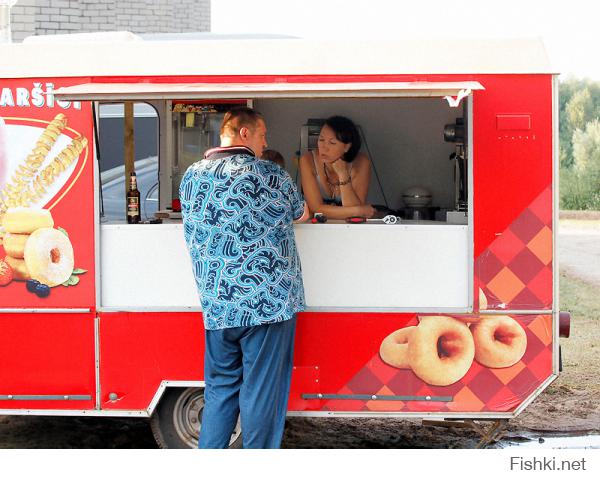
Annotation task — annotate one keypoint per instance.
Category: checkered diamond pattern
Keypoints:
(515, 271)
(482, 389)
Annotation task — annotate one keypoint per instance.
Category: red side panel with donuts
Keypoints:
(413, 363)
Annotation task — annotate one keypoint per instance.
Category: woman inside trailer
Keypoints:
(336, 175)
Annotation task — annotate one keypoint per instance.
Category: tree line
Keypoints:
(579, 139)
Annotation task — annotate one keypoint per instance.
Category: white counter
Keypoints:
(413, 266)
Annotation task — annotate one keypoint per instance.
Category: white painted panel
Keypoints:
(146, 266)
(146, 91)
(429, 54)
(369, 266)
(384, 266)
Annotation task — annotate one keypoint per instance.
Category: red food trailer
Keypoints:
(447, 310)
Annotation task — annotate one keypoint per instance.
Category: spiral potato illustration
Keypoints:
(13, 192)
(48, 175)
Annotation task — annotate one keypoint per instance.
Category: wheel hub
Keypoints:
(187, 417)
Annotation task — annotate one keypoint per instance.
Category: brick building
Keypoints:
(45, 17)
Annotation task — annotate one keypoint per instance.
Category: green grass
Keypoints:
(579, 297)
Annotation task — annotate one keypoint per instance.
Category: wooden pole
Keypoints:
(129, 144)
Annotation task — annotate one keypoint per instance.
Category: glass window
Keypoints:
(111, 159)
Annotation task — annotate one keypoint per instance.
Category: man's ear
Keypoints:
(244, 133)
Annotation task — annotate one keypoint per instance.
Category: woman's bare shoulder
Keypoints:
(362, 160)
(307, 155)
(307, 158)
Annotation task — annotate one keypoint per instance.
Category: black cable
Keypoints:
(97, 149)
(298, 155)
(364, 139)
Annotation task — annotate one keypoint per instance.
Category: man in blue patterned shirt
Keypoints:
(238, 213)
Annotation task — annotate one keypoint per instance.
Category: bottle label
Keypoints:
(133, 206)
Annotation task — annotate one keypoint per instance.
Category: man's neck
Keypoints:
(231, 141)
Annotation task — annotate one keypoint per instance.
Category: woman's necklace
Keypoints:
(332, 185)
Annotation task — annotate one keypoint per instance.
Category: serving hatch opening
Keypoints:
(402, 125)
(454, 92)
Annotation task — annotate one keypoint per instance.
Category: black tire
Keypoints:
(559, 359)
(177, 420)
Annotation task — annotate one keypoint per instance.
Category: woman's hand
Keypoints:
(341, 168)
(367, 211)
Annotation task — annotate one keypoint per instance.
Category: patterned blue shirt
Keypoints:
(237, 217)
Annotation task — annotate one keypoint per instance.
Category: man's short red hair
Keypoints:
(238, 118)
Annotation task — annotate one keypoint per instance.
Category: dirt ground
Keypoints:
(571, 405)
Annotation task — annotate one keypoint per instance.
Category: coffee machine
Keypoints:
(455, 133)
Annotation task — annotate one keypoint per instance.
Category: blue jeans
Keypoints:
(247, 371)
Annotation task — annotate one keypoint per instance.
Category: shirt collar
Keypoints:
(224, 151)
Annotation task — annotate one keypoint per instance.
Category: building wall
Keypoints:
(46, 17)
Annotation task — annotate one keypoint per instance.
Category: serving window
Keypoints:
(402, 125)
(423, 263)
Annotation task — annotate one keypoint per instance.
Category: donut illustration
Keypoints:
(49, 256)
(35, 250)
(394, 348)
(441, 349)
(500, 341)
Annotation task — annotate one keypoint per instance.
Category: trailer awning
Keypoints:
(453, 91)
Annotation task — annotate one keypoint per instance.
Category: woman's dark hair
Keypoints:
(345, 131)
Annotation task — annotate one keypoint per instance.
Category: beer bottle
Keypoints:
(133, 201)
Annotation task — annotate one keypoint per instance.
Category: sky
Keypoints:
(570, 28)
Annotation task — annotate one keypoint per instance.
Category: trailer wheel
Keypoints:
(177, 420)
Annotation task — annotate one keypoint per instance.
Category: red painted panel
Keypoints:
(510, 169)
(278, 78)
(341, 343)
(139, 350)
(47, 354)
(305, 380)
